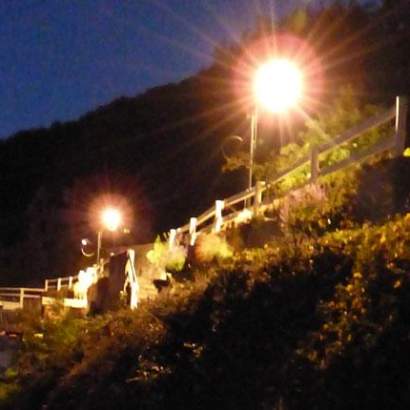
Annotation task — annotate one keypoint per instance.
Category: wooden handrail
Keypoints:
(359, 129)
(313, 160)
(61, 282)
(360, 156)
(289, 171)
(346, 136)
(241, 196)
(208, 214)
(39, 290)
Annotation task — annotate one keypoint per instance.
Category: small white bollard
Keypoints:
(21, 298)
(172, 238)
(401, 124)
(132, 279)
(192, 231)
(219, 206)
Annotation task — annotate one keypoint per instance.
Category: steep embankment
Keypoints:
(317, 318)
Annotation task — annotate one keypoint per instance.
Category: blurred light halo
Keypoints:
(278, 85)
(111, 218)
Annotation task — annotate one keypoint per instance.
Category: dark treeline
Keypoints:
(162, 150)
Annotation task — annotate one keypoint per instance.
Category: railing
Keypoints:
(213, 218)
(14, 298)
(224, 212)
(60, 283)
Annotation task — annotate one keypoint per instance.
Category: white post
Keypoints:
(219, 206)
(21, 298)
(258, 196)
(46, 285)
(401, 124)
(171, 238)
(58, 284)
(192, 231)
(70, 282)
(133, 279)
(314, 165)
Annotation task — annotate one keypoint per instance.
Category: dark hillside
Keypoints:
(306, 321)
(155, 149)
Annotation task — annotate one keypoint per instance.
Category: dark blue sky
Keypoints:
(62, 58)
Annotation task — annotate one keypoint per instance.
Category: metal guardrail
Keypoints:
(396, 142)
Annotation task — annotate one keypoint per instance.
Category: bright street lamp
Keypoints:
(277, 87)
(111, 219)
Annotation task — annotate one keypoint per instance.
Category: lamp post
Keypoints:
(254, 134)
(277, 87)
(111, 219)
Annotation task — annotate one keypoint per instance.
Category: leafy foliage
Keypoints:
(212, 247)
(345, 112)
(303, 309)
(164, 258)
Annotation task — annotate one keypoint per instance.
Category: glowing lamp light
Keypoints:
(278, 85)
(111, 219)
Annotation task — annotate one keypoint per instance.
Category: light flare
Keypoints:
(111, 219)
(278, 85)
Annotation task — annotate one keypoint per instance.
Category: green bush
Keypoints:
(165, 258)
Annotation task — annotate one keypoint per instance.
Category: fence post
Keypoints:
(171, 238)
(58, 284)
(219, 206)
(70, 282)
(401, 124)
(46, 285)
(21, 298)
(258, 197)
(314, 165)
(193, 222)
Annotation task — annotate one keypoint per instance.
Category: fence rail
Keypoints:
(215, 214)
(60, 283)
(14, 297)
(224, 212)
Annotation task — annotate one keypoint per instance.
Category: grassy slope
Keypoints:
(316, 320)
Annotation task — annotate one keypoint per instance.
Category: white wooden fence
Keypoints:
(57, 284)
(14, 298)
(17, 298)
(224, 212)
(214, 220)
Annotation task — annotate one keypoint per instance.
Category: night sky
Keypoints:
(62, 58)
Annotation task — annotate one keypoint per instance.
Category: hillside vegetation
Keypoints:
(315, 318)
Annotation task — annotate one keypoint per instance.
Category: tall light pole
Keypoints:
(254, 134)
(111, 219)
(277, 87)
